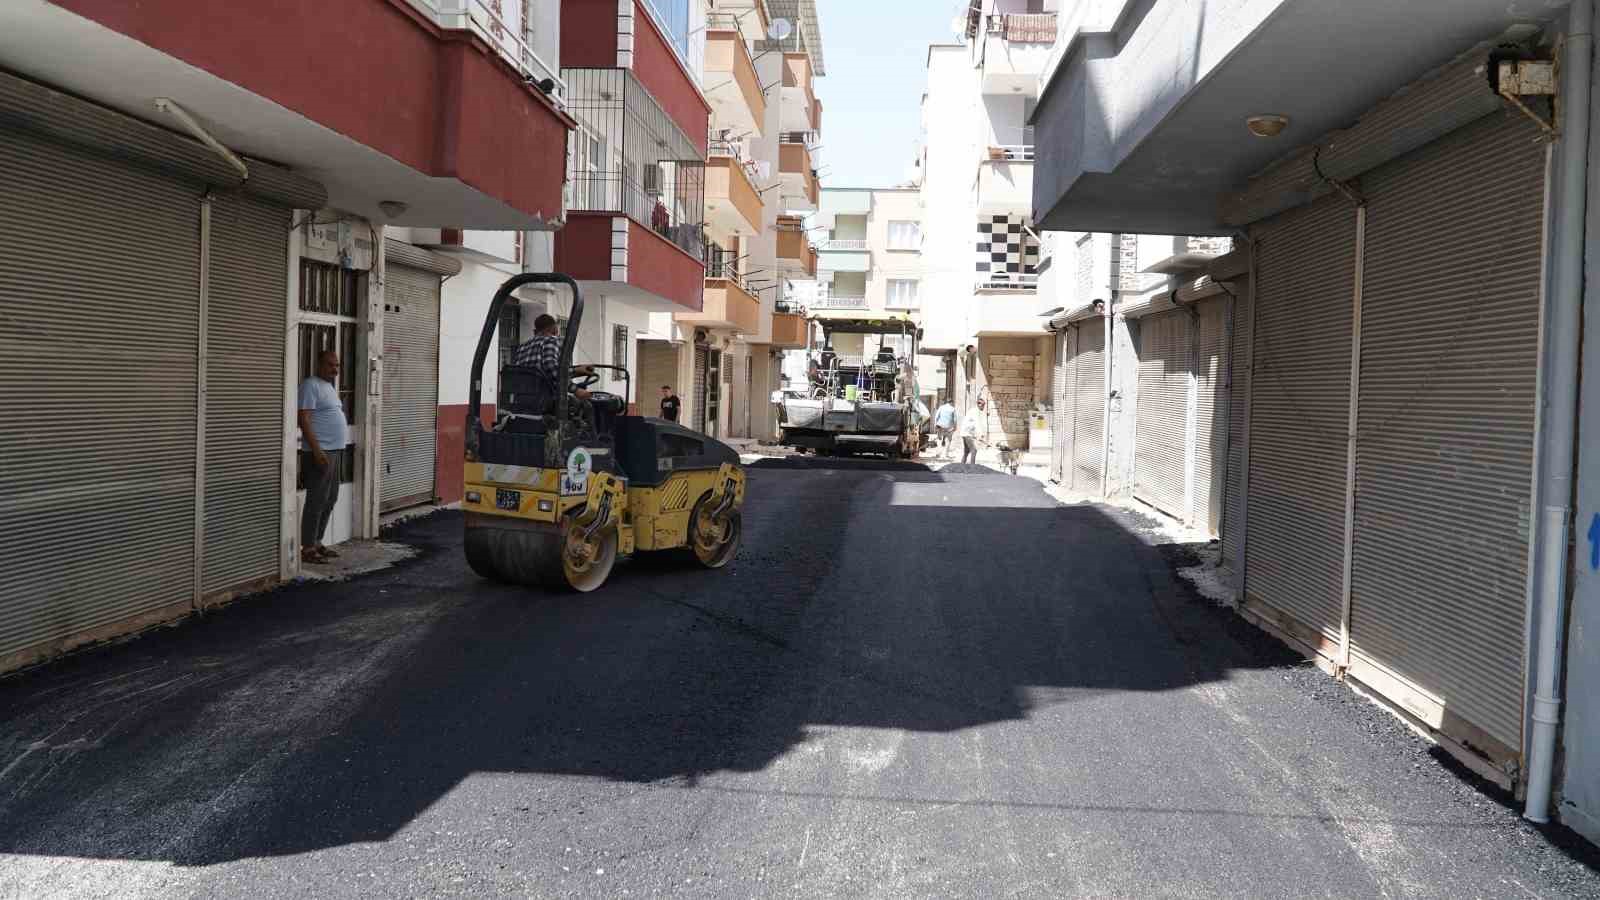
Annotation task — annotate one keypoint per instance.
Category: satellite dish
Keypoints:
(780, 29)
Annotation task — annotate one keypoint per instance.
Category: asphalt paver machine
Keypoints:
(859, 404)
(556, 493)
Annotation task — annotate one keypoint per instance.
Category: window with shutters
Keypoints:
(902, 293)
(905, 236)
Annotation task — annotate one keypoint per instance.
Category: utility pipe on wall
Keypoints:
(1556, 442)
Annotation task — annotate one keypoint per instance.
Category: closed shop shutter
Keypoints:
(1233, 515)
(1061, 407)
(410, 385)
(701, 357)
(244, 391)
(1160, 454)
(1089, 399)
(97, 391)
(1210, 413)
(1300, 405)
(658, 365)
(1445, 427)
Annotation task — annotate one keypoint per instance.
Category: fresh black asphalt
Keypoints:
(908, 684)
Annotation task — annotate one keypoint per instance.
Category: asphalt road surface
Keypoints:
(908, 684)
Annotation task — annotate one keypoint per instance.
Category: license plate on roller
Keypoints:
(511, 500)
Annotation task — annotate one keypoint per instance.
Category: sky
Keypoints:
(876, 53)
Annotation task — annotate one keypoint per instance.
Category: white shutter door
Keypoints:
(244, 391)
(1089, 399)
(100, 272)
(1211, 414)
(1160, 451)
(410, 385)
(1300, 404)
(1445, 429)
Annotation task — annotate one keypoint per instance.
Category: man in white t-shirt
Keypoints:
(324, 435)
(970, 425)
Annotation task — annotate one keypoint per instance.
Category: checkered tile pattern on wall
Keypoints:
(1005, 250)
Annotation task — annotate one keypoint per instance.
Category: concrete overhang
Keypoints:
(1128, 145)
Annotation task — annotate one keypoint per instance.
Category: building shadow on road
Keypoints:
(879, 595)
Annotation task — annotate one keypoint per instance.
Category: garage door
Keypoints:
(1444, 443)
(410, 385)
(1160, 455)
(1300, 405)
(97, 391)
(1233, 515)
(244, 391)
(1089, 408)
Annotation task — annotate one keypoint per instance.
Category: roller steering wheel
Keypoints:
(584, 381)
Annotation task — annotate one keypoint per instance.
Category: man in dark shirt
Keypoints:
(542, 353)
(670, 404)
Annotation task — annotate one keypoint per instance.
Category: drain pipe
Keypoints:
(1561, 405)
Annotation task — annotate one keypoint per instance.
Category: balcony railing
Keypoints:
(1025, 28)
(833, 302)
(510, 41)
(630, 157)
(1011, 153)
(848, 244)
(1025, 282)
(797, 137)
(788, 307)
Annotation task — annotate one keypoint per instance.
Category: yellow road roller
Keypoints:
(561, 486)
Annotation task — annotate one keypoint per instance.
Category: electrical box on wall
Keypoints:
(1527, 78)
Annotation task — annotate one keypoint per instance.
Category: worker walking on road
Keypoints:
(944, 423)
(969, 433)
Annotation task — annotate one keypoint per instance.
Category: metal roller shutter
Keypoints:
(1300, 406)
(244, 391)
(701, 363)
(410, 385)
(1089, 408)
(1233, 516)
(97, 391)
(1445, 428)
(1061, 407)
(1210, 414)
(1160, 453)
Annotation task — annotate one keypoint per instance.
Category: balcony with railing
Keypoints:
(788, 326)
(829, 300)
(733, 204)
(729, 301)
(1007, 283)
(731, 83)
(631, 158)
(799, 97)
(503, 28)
(1016, 48)
(1005, 173)
(796, 256)
(799, 174)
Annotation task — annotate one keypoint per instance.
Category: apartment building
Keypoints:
(983, 307)
(1409, 454)
(637, 172)
(169, 286)
(723, 360)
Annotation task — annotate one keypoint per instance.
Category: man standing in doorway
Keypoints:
(944, 423)
(670, 404)
(324, 434)
(969, 433)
